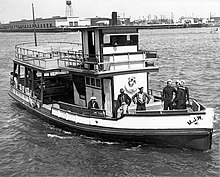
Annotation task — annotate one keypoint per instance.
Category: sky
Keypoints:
(11, 10)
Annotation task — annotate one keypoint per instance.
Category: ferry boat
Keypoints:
(55, 81)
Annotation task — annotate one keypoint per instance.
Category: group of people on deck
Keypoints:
(140, 98)
(181, 95)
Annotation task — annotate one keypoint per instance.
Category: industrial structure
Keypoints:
(69, 9)
(69, 22)
(56, 23)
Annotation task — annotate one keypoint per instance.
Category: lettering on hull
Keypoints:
(195, 120)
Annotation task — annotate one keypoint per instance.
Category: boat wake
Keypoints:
(93, 141)
(57, 136)
(134, 148)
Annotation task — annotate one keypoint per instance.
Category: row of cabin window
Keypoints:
(120, 40)
(37, 26)
(93, 82)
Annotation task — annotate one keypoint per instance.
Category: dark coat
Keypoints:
(180, 95)
(126, 99)
(93, 104)
(180, 98)
(167, 94)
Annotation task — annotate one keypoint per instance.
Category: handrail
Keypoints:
(26, 43)
(80, 110)
(156, 91)
(132, 53)
(22, 92)
(21, 50)
(65, 56)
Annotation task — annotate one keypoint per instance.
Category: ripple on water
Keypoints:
(30, 147)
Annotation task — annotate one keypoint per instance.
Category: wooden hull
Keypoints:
(191, 138)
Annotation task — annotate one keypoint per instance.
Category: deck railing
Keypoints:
(75, 109)
(156, 93)
(25, 94)
(110, 62)
(46, 55)
(56, 55)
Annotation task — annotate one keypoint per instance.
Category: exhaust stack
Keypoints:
(114, 18)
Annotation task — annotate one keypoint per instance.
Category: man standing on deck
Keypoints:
(141, 98)
(167, 95)
(179, 100)
(123, 101)
(186, 91)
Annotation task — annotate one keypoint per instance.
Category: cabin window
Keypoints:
(106, 39)
(98, 83)
(92, 82)
(87, 81)
(120, 40)
(133, 39)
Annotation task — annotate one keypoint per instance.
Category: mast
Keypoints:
(35, 37)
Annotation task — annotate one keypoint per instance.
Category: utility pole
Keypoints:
(35, 36)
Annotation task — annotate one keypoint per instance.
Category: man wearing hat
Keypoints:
(167, 95)
(186, 91)
(141, 98)
(93, 103)
(180, 94)
(123, 100)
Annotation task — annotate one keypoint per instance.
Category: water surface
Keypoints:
(31, 147)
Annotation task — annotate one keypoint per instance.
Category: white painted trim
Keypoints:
(143, 122)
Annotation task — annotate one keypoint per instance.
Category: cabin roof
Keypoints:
(115, 28)
(103, 74)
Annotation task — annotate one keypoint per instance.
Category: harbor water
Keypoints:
(31, 147)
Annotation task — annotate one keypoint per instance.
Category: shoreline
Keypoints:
(75, 29)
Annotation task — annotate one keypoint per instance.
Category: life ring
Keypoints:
(130, 89)
(130, 85)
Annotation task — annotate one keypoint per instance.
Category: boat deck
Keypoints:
(69, 56)
(152, 109)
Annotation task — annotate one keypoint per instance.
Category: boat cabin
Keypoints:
(69, 74)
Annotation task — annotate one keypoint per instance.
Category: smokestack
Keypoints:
(114, 18)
